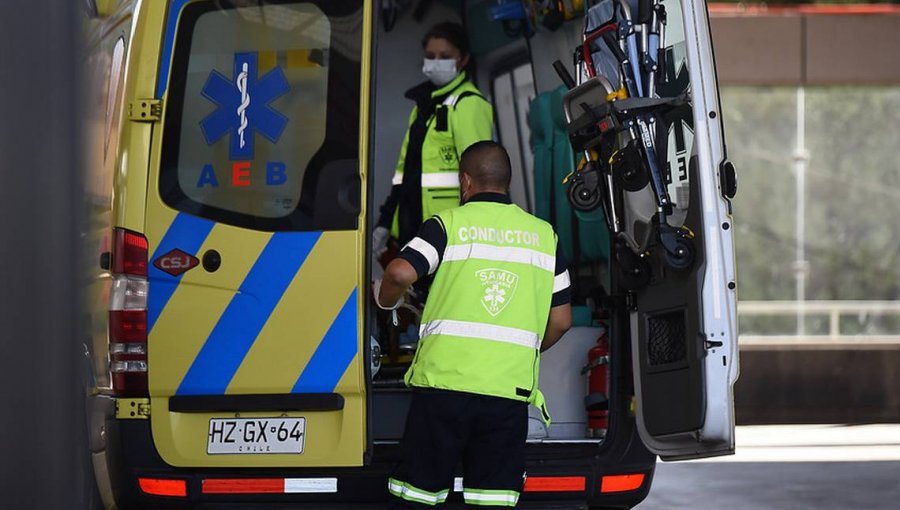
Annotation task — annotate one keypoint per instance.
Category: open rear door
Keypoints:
(683, 322)
(255, 349)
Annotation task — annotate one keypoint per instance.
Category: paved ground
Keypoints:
(789, 467)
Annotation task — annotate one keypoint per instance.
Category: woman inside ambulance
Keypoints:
(449, 115)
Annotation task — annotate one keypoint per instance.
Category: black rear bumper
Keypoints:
(131, 454)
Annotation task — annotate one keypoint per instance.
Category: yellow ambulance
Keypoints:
(230, 168)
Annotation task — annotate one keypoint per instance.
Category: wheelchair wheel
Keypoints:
(584, 197)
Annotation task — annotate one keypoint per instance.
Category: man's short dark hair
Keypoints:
(487, 163)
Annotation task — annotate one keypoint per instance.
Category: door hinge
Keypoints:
(145, 110)
(132, 408)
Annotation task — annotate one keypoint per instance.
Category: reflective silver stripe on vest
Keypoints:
(432, 180)
(481, 331)
(428, 251)
(440, 180)
(560, 281)
(500, 254)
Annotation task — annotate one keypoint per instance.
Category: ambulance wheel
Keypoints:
(683, 256)
(582, 197)
(632, 177)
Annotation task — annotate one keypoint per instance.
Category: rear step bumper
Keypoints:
(538, 505)
(132, 455)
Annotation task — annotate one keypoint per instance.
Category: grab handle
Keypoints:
(564, 75)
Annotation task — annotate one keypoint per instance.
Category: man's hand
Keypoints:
(398, 276)
(376, 291)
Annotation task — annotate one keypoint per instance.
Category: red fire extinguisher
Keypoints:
(596, 402)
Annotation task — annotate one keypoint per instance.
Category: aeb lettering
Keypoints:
(242, 175)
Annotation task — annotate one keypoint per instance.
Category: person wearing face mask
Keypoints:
(449, 115)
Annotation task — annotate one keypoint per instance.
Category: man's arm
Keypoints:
(420, 257)
(560, 321)
(398, 276)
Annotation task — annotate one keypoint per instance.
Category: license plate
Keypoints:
(256, 435)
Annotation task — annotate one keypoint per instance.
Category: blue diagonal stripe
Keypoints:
(334, 354)
(187, 233)
(247, 313)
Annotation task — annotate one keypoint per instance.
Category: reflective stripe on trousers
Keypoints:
(404, 490)
(485, 497)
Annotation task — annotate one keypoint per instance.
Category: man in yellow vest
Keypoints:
(500, 296)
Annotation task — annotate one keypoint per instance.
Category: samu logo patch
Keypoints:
(448, 154)
(499, 287)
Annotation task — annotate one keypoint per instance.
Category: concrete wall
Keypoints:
(841, 383)
(810, 49)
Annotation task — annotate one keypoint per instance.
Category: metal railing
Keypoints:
(835, 311)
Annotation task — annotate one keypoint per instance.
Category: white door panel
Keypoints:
(695, 389)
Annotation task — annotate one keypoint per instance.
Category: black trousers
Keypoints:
(445, 427)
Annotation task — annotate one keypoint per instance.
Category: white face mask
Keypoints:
(440, 71)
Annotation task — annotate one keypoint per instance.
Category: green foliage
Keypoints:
(759, 130)
(853, 198)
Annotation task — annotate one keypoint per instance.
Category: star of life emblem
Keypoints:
(448, 153)
(244, 105)
(499, 287)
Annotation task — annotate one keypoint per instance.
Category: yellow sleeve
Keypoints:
(473, 121)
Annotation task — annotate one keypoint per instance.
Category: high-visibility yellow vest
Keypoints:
(488, 307)
(458, 122)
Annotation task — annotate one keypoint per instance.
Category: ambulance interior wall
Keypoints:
(398, 67)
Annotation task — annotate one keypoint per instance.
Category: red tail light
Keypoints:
(555, 484)
(621, 483)
(128, 314)
(163, 487)
(129, 253)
